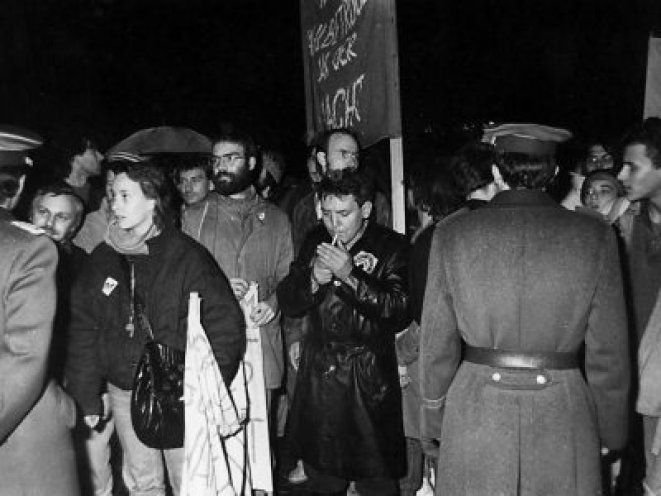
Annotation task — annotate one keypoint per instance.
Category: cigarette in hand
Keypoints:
(334, 240)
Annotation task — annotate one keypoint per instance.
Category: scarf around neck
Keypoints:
(127, 242)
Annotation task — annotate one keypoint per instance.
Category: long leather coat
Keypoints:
(346, 417)
(36, 449)
(523, 274)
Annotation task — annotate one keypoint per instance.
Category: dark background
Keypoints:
(114, 66)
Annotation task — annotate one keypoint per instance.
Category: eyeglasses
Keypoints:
(227, 158)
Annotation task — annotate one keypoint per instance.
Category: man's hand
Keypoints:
(262, 314)
(239, 286)
(320, 272)
(336, 258)
(295, 354)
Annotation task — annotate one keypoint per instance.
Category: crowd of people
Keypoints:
(506, 344)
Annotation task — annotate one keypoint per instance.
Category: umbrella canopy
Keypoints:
(163, 139)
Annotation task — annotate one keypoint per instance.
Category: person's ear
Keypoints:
(252, 162)
(555, 172)
(322, 159)
(366, 209)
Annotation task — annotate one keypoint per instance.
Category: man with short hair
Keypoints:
(36, 450)
(249, 237)
(524, 284)
(59, 211)
(350, 278)
(641, 229)
(193, 181)
(641, 177)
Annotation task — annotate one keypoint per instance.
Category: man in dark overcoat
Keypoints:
(36, 450)
(351, 279)
(524, 284)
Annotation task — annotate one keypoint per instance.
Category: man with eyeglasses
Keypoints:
(338, 150)
(249, 237)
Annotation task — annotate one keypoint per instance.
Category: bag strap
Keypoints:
(137, 314)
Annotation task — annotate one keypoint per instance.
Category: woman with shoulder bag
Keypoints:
(128, 326)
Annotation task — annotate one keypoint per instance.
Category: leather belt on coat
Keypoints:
(550, 360)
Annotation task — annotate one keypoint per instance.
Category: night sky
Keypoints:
(114, 66)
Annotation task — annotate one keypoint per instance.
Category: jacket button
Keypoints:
(496, 376)
(541, 379)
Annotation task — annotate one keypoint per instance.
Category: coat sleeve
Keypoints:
(222, 317)
(607, 364)
(29, 304)
(440, 343)
(294, 291)
(83, 376)
(385, 298)
(285, 251)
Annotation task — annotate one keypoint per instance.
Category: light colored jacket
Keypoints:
(250, 239)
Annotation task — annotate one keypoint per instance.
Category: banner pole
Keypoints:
(396, 146)
(397, 185)
(309, 101)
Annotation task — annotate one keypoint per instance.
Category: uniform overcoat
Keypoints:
(346, 416)
(36, 450)
(524, 274)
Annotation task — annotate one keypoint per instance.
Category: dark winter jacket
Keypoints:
(100, 346)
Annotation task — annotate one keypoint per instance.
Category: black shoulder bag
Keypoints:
(157, 406)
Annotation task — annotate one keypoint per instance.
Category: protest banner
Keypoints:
(351, 72)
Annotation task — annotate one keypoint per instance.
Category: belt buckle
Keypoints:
(520, 378)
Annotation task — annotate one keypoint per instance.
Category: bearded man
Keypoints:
(249, 237)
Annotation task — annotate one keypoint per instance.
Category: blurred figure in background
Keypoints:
(81, 162)
(598, 157)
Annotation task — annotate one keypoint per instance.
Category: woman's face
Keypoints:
(600, 195)
(132, 210)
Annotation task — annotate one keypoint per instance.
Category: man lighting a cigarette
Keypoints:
(350, 278)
